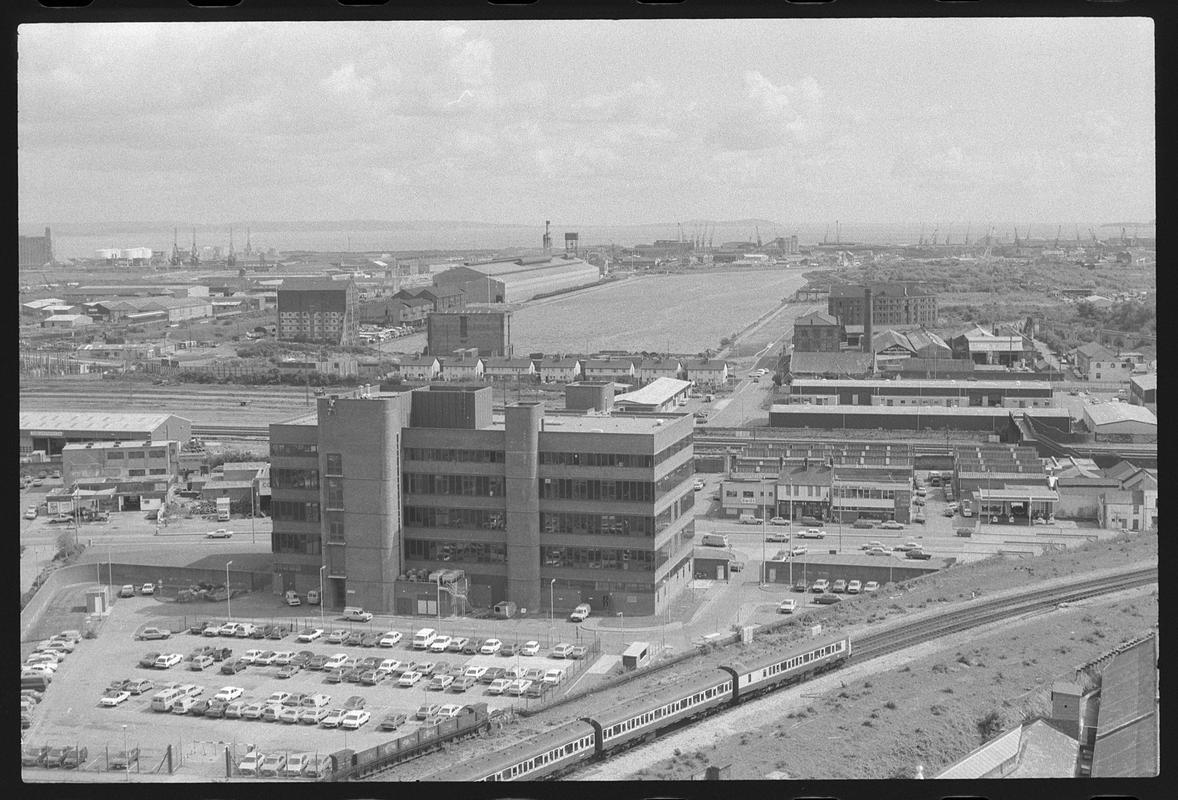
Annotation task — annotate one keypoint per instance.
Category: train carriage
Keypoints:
(620, 725)
(532, 759)
(798, 664)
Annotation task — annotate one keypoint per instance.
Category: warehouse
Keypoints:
(51, 431)
(921, 392)
(525, 278)
(661, 394)
(919, 418)
(1121, 422)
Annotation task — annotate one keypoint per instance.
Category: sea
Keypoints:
(71, 241)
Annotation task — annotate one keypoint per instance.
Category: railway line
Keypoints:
(909, 633)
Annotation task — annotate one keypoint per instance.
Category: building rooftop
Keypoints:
(920, 383)
(1127, 730)
(241, 466)
(1110, 413)
(916, 411)
(880, 290)
(655, 393)
(213, 485)
(1017, 493)
(115, 445)
(850, 362)
(1146, 382)
(585, 423)
(1096, 352)
(308, 418)
(109, 421)
(815, 318)
(312, 284)
(987, 758)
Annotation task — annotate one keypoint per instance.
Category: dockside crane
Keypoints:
(711, 236)
(175, 259)
(193, 256)
(231, 259)
(936, 230)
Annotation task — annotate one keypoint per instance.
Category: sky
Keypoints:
(606, 122)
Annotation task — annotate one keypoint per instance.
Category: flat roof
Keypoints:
(113, 421)
(597, 424)
(1018, 493)
(914, 411)
(308, 418)
(655, 393)
(122, 444)
(921, 383)
(1109, 413)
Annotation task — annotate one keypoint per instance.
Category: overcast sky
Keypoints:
(601, 122)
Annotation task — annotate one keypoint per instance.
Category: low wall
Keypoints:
(72, 575)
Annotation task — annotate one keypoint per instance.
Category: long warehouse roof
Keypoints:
(92, 420)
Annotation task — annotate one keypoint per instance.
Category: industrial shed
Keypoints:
(919, 418)
(52, 430)
(1121, 422)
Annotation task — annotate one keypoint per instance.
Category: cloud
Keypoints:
(768, 115)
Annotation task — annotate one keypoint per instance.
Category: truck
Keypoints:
(714, 540)
(222, 509)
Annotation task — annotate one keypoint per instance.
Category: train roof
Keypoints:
(653, 699)
(800, 646)
(469, 769)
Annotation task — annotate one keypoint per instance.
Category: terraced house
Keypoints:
(535, 507)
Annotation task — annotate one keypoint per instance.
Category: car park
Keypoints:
(426, 668)
(114, 697)
(265, 658)
(353, 639)
(390, 639)
(539, 689)
(393, 721)
(408, 678)
(31, 512)
(229, 629)
(149, 659)
(289, 671)
(533, 673)
(309, 634)
(245, 630)
(450, 710)
(919, 518)
(355, 719)
(371, 677)
(474, 671)
(491, 646)
(797, 550)
(512, 673)
(854, 587)
(276, 632)
(531, 648)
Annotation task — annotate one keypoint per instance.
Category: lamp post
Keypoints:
(228, 603)
(322, 599)
(253, 506)
(551, 606)
(127, 753)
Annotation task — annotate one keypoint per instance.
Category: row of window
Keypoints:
(664, 711)
(294, 511)
(281, 478)
(136, 454)
(556, 753)
(598, 524)
(426, 517)
(864, 493)
(470, 552)
(466, 485)
(598, 558)
(294, 449)
(805, 658)
(597, 459)
(447, 454)
(300, 543)
(584, 489)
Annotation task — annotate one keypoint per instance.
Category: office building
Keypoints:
(541, 509)
(119, 461)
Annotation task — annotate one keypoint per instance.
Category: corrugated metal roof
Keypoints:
(112, 421)
(655, 393)
(1145, 382)
(986, 758)
(1045, 752)
(1111, 413)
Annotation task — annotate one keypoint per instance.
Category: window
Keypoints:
(135, 473)
(335, 493)
(335, 530)
(114, 456)
(335, 464)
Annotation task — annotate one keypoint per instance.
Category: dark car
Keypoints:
(278, 632)
(371, 639)
(74, 757)
(233, 666)
(221, 653)
(354, 703)
(918, 554)
(335, 675)
(148, 659)
(119, 684)
(492, 674)
(317, 661)
(199, 708)
(290, 670)
(393, 721)
(199, 627)
(508, 649)
(139, 686)
(472, 647)
(354, 639)
(34, 756)
(371, 662)
(302, 657)
(369, 677)
(216, 709)
(538, 689)
(800, 586)
(352, 674)
(123, 759)
(261, 631)
(827, 599)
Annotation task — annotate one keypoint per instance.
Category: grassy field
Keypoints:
(680, 313)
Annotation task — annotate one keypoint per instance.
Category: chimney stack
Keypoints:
(867, 320)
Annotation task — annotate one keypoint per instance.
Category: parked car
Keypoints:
(199, 662)
(827, 599)
(310, 715)
(498, 686)
(553, 677)
(531, 648)
(854, 587)
(355, 719)
(251, 763)
(787, 606)
(919, 518)
(390, 639)
(427, 710)
(147, 589)
(215, 709)
(234, 709)
(863, 523)
(491, 646)
(840, 586)
(149, 659)
(408, 678)
(357, 615)
(229, 693)
(114, 697)
(820, 585)
(296, 765)
(492, 674)
(128, 590)
(233, 666)
(440, 644)
(309, 634)
(393, 721)
(289, 671)
(74, 757)
(139, 686)
(891, 525)
(462, 683)
(518, 686)
(439, 683)
(457, 643)
(562, 650)
(919, 555)
(332, 718)
(508, 649)
(167, 660)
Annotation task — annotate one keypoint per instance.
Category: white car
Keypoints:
(871, 586)
(854, 587)
(530, 649)
(498, 686)
(220, 533)
(388, 665)
(475, 672)
(778, 521)
(114, 697)
(355, 718)
(491, 647)
(787, 606)
(228, 629)
(449, 710)
(390, 639)
(276, 698)
(167, 660)
(335, 662)
(191, 689)
(562, 650)
(229, 693)
(283, 657)
(440, 644)
(296, 765)
(251, 656)
(309, 636)
(333, 718)
(251, 763)
(554, 676)
(518, 686)
(31, 512)
(409, 678)
(147, 588)
(813, 533)
(891, 525)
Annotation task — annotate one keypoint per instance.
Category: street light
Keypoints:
(551, 598)
(127, 754)
(322, 599)
(228, 603)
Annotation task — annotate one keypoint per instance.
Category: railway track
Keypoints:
(231, 431)
(976, 614)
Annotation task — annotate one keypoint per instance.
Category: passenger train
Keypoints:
(558, 749)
